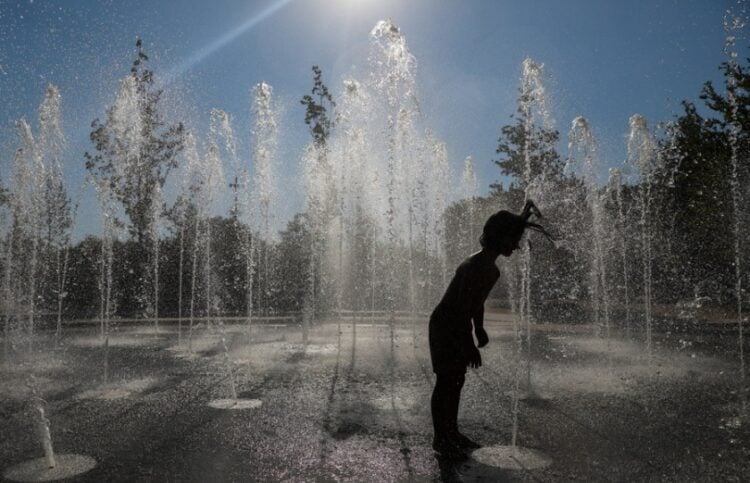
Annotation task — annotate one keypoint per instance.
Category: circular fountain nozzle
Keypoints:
(511, 457)
(67, 466)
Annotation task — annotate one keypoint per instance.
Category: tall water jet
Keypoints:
(180, 210)
(221, 147)
(537, 120)
(25, 235)
(583, 151)
(126, 170)
(409, 160)
(58, 220)
(420, 244)
(734, 22)
(244, 214)
(265, 141)
(614, 188)
(207, 180)
(317, 180)
(469, 194)
(642, 154)
(156, 215)
(437, 192)
(221, 155)
(348, 158)
(393, 77)
(214, 183)
(513, 456)
(191, 200)
(106, 260)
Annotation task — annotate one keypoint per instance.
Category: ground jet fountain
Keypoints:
(52, 466)
(532, 109)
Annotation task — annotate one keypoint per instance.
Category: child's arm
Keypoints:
(482, 338)
(478, 313)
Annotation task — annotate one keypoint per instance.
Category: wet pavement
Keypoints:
(353, 405)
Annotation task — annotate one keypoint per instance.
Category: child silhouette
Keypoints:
(452, 346)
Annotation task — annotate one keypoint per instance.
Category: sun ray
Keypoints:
(201, 54)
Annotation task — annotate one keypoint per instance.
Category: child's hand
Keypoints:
(482, 338)
(474, 357)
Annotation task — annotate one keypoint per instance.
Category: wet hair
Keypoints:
(504, 225)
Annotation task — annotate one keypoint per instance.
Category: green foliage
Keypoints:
(698, 151)
(512, 146)
(292, 264)
(317, 109)
(132, 177)
(515, 143)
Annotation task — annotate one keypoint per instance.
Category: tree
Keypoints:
(134, 153)
(697, 172)
(134, 148)
(294, 252)
(514, 144)
(528, 154)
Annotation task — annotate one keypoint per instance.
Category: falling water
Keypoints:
(615, 188)
(734, 22)
(583, 150)
(156, 209)
(437, 192)
(214, 177)
(348, 155)
(181, 220)
(107, 211)
(58, 218)
(316, 169)
(206, 181)
(29, 182)
(469, 192)
(192, 185)
(393, 71)
(376, 194)
(534, 111)
(265, 136)
(642, 155)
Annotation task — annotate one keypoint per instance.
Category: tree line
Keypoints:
(690, 190)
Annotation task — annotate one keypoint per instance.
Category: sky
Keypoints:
(603, 59)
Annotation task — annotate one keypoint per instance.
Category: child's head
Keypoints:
(503, 231)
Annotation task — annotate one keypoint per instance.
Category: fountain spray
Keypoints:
(642, 154)
(734, 22)
(583, 147)
(41, 422)
(393, 77)
(265, 137)
(156, 208)
(533, 109)
(615, 187)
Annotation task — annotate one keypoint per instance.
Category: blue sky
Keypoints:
(605, 60)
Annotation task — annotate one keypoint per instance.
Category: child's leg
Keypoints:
(444, 403)
(437, 404)
(455, 401)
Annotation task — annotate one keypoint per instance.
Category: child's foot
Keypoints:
(448, 448)
(464, 442)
